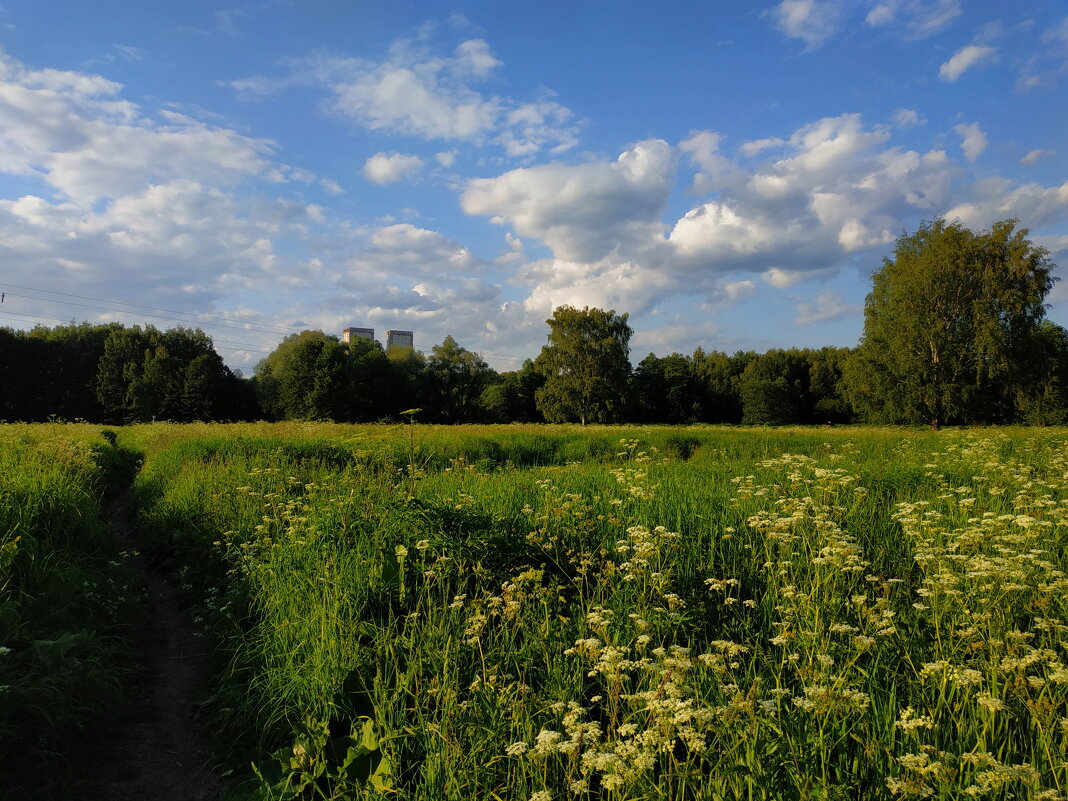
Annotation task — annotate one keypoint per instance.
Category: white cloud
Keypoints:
(416, 91)
(998, 199)
(532, 126)
(835, 188)
(780, 278)
(584, 212)
(838, 189)
(906, 118)
(1035, 156)
(920, 18)
(388, 168)
(331, 187)
(446, 158)
(973, 140)
(72, 131)
(730, 293)
(964, 59)
(827, 306)
(758, 146)
(702, 147)
(172, 242)
(407, 250)
(426, 99)
(607, 283)
(811, 21)
(1048, 61)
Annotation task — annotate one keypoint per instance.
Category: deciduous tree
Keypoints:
(585, 366)
(948, 325)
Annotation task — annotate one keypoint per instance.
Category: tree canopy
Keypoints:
(949, 324)
(585, 365)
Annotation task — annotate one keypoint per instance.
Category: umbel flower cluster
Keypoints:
(977, 705)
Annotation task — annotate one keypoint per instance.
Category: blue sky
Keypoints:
(730, 174)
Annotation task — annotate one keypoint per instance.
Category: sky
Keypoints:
(729, 174)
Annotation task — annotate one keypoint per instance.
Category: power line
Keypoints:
(245, 327)
(272, 328)
(37, 318)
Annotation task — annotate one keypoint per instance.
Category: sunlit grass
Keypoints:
(623, 613)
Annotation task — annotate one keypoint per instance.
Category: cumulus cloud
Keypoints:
(73, 131)
(170, 242)
(623, 285)
(834, 187)
(811, 21)
(407, 250)
(973, 140)
(998, 199)
(131, 203)
(388, 168)
(838, 188)
(584, 212)
(418, 91)
(702, 148)
(964, 59)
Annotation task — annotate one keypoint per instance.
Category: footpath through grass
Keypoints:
(68, 610)
(623, 613)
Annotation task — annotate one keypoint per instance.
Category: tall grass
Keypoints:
(67, 608)
(639, 613)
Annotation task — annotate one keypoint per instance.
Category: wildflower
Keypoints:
(989, 702)
(516, 749)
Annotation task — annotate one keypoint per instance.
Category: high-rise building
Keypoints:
(349, 333)
(402, 339)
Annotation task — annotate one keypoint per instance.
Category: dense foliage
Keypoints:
(585, 365)
(111, 374)
(950, 326)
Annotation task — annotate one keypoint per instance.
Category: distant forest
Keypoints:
(113, 374)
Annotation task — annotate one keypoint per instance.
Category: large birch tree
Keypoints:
(949, 325)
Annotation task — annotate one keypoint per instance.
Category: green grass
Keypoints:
(622, 613)
(67, 610)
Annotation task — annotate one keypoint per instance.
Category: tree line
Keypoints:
(115, 374)
(954, 333)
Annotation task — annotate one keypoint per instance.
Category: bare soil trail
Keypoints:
(156, 753)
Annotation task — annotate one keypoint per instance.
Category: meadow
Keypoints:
(555, 612)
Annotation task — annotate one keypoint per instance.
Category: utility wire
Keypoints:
(272, 328)
(37, 318)
(144, 314)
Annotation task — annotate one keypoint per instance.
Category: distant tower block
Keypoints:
(349, 333)
(402, 339)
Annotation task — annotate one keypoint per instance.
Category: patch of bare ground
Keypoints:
(155, 752)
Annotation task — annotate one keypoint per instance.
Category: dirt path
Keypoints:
(157, 755)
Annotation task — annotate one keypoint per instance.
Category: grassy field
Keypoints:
(68, 610)
(609, 613)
